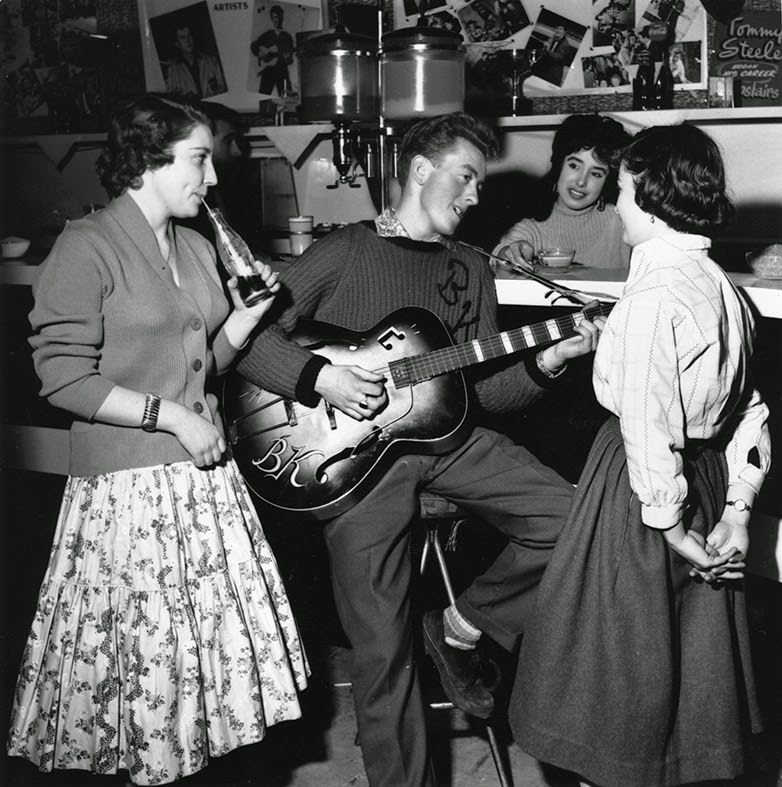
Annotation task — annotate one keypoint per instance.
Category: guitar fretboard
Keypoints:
(417, 368)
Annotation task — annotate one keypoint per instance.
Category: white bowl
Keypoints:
(556, 258)
(14, 246)
(766, 264)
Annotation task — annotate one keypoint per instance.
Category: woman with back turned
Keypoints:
(636, 670)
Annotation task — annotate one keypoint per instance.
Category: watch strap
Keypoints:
(151, 412)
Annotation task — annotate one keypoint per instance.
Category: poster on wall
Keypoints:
(241, 54)
(273, 69)
(749, 49)
(50, 57)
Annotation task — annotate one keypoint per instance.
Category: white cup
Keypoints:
(300, 232)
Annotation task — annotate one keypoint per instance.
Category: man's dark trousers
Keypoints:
(499, 482)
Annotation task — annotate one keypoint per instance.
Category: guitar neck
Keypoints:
(417, 368)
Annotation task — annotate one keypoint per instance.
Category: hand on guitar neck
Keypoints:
(585, 341)
(360, 393)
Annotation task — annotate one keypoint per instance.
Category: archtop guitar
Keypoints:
(317, 461)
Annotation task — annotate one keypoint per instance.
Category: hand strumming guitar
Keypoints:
(357, 392)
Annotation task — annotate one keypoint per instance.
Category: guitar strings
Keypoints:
(566, 292)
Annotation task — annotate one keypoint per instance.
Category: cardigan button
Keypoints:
(198, 407)
(197, 364)
(196, 324)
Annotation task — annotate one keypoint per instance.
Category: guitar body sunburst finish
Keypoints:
(318, 461)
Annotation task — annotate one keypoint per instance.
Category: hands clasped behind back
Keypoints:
(357, 392)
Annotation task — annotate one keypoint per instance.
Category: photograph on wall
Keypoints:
(627, 45)
(482, 22)
(413, 7)
(685, 62)
(558, 39)
(513, 15)
(445, 20)
(26, 90)
(604, 71)
(51, 64)
(678, 15)
(186, 48)
(611, 18)
(358, 16)
(487, 89)
(273, 69)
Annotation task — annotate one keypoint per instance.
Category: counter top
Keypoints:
(514, 289)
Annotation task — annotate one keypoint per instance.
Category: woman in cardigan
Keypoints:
(582, 183)
(163, 632)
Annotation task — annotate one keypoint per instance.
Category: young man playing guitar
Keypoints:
(353, 278)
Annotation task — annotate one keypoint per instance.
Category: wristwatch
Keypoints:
(739, 504)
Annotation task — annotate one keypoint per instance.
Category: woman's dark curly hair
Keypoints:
(604, 136)
(680, 178)
(142, 134)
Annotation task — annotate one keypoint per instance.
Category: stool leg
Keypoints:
(433, 539)
(425, 550)
(438, 550)
(497, 756)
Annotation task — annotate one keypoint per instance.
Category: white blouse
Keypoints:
(673, 364)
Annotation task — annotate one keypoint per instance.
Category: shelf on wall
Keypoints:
(657, 116)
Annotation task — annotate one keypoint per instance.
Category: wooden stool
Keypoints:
(435, 511)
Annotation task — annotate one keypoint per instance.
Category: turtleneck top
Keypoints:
(596, 235)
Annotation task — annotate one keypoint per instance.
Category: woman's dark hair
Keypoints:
(143, 131)
(680, 178)
(604, 136)
(434, 137)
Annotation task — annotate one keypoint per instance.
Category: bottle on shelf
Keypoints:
(663, 85)
(643, 84)
(237, 259)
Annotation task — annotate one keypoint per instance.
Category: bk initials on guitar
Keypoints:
(318, 462)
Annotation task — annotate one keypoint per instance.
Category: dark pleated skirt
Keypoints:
(631, 672)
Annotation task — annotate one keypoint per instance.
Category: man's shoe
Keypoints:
(460, 670)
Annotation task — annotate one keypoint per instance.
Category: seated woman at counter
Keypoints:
(580, 215)
(636, 668)
(163, 634)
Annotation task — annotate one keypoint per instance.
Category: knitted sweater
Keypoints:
(596, 235)
(354, 278)
(107, 312)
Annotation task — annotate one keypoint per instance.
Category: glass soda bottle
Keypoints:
(663, 85)
(643, 84)
(237, 259)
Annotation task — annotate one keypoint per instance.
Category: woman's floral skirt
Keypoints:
(163, 634)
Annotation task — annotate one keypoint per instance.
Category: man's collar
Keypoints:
(388, 225)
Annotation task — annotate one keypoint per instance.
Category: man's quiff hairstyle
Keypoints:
(434, 137)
